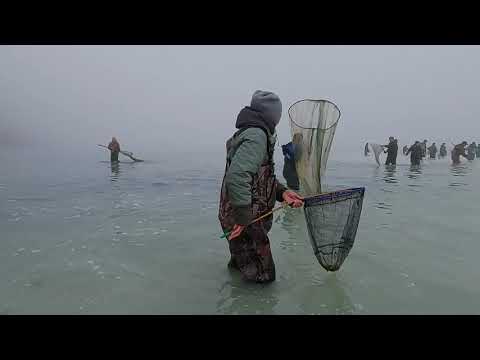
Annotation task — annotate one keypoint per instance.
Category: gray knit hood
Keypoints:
(265, 107)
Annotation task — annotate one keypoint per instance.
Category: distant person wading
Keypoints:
(416, 152)
(443, 150)
(433, 151)
(459, 150)
(114, 148)
(392, 151)
(471, 151)
(423, 146)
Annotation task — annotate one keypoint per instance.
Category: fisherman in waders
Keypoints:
(391, 150)
(458, 150)
(250, 189)
(443, 150)
(471, 151)
(433, 151)
(424, 149)
(415, 151)
(114, 148)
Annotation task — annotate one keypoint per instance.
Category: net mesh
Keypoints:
(332, 218)
(332, 222)
(313, 124)
(377, 150)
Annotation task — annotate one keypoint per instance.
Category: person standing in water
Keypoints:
(250, 189)
(459, 150)
(471, 151)
(289, 170)
(424, 149)
(391, 150)
(478, 150)
(443, 150)
(114, 148)
(415, 151)
(433, 151)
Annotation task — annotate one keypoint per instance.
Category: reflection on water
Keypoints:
(115, 167)
(389, 177)
(388, 174)
(329, 295)
(238, 298)
(414, 172)
(459, 170)
(384, 206)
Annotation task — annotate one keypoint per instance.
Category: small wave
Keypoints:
(160, 183)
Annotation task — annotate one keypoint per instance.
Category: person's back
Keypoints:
(416, 152)
(459, 150)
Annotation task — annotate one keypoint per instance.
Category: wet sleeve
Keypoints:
(245, 164)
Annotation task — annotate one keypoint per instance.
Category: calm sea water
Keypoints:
(84, 237)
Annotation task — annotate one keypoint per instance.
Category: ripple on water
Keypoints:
(160, 183)
(457, 184)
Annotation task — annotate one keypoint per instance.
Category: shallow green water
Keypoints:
(86, 238)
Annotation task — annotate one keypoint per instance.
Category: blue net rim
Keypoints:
(334, 196)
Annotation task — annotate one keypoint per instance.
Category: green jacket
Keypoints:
(246, 153)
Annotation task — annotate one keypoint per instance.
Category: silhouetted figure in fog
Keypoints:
(459, 150)
(114, 148)
(423, 146)
(443, 150)
(415, 151)
(433, 151)
(471, 151)
(391, 151)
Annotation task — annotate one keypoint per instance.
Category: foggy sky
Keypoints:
(162, 99)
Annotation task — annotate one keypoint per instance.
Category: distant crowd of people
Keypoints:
(419, 151)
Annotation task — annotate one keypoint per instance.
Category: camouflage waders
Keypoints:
(250, 252)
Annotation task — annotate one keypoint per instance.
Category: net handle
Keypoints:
(284, 204)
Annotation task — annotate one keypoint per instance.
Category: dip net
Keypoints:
(332, 217)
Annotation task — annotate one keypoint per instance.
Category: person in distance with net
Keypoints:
(114, 148)
(391, 151)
